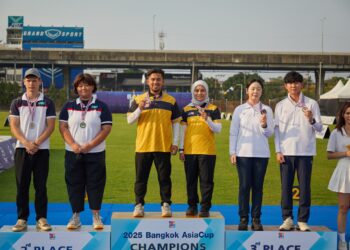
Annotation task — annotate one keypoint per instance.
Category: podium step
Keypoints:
(177, 232)
(59, 238)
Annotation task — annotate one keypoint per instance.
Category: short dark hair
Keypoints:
(155, 71)
(258, 80)
(293, 76)
(85, 78)
(341, 120)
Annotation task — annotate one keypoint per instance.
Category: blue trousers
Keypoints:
(251, 174)
(302, 165)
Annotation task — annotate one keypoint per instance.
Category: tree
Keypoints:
(215, 91)
(9, 91)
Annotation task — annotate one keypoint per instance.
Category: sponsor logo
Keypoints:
(52, 33)
(281, 235)
(172, 224)
(52, 236)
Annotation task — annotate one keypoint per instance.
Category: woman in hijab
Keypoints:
(200, 120)
(251, 125)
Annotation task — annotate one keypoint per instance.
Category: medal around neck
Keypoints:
(82, 124)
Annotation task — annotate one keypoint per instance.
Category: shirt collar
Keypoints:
(301, 101)
(40, 98)
(94, 97)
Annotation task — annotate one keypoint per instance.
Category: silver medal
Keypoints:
(82, 124)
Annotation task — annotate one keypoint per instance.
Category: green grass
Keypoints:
(121, 172)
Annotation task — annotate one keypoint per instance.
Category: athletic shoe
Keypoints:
(43, 225)
(139, 211)
(243, 224)
(192, 211)
(96, 221)
(302, 226)
(74, 222)
(256, 225)
(342, 245)
(166, 210)
(287, 225)
(20, 226)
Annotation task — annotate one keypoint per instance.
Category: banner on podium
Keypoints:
(57, 239)
(276, 240)
(178, 232)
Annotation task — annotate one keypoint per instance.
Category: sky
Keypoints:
(199, 25)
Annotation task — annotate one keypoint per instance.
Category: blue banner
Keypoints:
(53, 34)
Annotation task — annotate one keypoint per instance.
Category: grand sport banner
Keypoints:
(175, 233)
(7, 150)
(53, 34)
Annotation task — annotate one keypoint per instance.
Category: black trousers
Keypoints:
(25, 165)
(85, 173)
(143, 164)
(202, 167)
(302, 165)
(251, 174)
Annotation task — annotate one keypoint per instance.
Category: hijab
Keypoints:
(194, 101)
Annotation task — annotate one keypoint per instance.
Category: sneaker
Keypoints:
(287, 225)
(342, 245)
(303, 226)
(256, 225)
(166, 210)
(43, 225)
(243, 224)
(74, 222)
(192, 211)
(20, 226)
(139, 211)
(96, 221)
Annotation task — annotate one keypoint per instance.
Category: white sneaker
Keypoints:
(96, 221)
(74, 222)
(43, 225)
(303, 226)
(287, 225)
(20, 226)
(342, 245)
(166, 210)
(139, 211)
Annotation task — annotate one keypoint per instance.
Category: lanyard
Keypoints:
(32, 107)
(84, 108)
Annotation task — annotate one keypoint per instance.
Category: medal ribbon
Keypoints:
(32, 107)
(84, 108)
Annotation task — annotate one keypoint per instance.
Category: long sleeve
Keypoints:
(182, 135)
(134, 116)
(176, 131)
(214, 126)
(234, 131)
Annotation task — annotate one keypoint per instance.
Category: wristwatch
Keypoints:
(313, 121)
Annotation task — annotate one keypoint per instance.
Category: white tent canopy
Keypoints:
(344, 92)
(333, 93)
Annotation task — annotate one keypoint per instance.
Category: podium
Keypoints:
(320, 238)
(59, 238)
(176, 232)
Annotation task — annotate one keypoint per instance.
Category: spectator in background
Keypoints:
(200, 120)
(157, 116)
(84, 125)
(251, 125)
(32, 121)
(339, 148)
(297, 118)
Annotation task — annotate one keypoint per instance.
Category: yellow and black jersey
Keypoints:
(154, 126)
(199, 139)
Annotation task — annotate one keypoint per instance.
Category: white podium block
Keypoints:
(320, 238)
(58, 239)
(173, 233)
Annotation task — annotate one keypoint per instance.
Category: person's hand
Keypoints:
(280, 158)
(233, 159)
(174, 149)
(308, 114)
(347, 153)
(142, 104)
(31, 147)
(86, 148)
(182, 156)
(76, 148)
